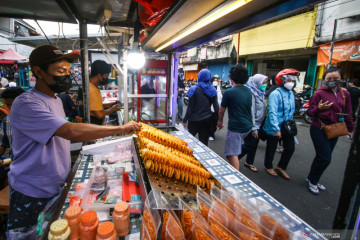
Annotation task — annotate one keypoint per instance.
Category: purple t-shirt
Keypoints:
(42, 160)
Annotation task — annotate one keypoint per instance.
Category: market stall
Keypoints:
(131, 180)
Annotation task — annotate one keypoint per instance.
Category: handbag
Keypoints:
(288, 128)
(336, 129)
(263, 136)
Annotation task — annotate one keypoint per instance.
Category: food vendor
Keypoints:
(41, 140)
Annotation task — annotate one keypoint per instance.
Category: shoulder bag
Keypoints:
(336, 129)
(288, 128)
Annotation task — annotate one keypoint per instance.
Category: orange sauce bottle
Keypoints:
(73, 215)
(88, 225)
(106, 231)
(121, 218)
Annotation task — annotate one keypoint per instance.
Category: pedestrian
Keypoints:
(330, 104)
(99, 76)
(280, 110)
(8, 96)
(216, 83)
(257, 84)
(41, 140)
(272, 84)
(68, 105)
(198, 113)
(355, 96)
(238, 100)
(180, 99)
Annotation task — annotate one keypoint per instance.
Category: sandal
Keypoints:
(271, 172)
(251, 167)
(282, 173)
(280, 150)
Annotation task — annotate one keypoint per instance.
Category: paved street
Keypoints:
(318, 211)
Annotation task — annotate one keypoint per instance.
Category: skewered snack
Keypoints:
(149, 144)
(163, 134)
(170, 165)
(165, 139)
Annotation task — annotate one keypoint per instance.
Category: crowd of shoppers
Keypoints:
(250, 115)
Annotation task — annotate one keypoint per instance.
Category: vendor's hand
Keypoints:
(255, 135)
(131, 127)
(325, 105)
(116, 107)
(220, 124)
(278, 134)
(184, 125)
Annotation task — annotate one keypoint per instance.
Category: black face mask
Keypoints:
(61, 83)
(104, 82)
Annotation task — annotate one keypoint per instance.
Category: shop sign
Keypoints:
(343, 51)
(191, 67)
(192, 52)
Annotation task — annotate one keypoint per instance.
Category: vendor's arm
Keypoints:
(86, 132)
(100, 114)
(220, 123)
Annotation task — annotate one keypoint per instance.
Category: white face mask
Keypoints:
(289, 85)
(215, 83)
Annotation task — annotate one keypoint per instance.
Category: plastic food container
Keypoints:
(59, 230)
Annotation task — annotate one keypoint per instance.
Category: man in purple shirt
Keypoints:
(41, 139)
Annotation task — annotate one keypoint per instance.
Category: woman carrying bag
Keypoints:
(257, 84)
(279, 124)
(330, 110)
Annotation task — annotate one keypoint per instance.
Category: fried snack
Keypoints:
(199, 234)
(203, 210)
(220, 231)
(165, 220)
(148, 221)
(149, 144)
(280, 232)
(171, 165)
(165, 139)
(186, 223)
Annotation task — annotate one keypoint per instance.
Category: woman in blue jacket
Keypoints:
(281, 108)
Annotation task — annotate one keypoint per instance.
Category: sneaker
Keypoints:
(313, 188)
(320, 186)
(211, 139)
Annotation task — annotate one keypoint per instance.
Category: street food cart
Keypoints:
(183, 25)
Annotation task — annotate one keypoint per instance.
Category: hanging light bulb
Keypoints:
(136, 59)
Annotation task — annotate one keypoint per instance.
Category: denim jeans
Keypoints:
(289, 148)
(249, 148)
(323, 148)
(180, 103)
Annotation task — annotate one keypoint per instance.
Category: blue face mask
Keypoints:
(263, 87)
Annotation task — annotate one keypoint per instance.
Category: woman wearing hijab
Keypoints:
(257, 85)
(198, 115)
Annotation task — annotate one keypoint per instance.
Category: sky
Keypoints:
(52, 28)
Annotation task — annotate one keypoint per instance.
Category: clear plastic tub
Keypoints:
(204, 203)
(151, 219)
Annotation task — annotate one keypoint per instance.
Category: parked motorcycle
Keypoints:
(225, 86)
(303, 110)
(301, 97)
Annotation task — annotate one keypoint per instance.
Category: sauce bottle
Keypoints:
(121, 218)
(73, 215)
(88, 225)
(59, 230)
(106, 231)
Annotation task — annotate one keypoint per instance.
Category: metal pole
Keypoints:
(332, 43)
(125, 78)
(85, 69)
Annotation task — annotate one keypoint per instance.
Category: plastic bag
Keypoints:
(171, 229)
(194, 225)
(204, 203)
(151, 219)
(100, 179)
(21, 233)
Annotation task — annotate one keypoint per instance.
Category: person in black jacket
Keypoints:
(181, 90)
(355, 96)
(273, 85)
(198, 115)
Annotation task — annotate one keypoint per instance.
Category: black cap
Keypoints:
(48, 53)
